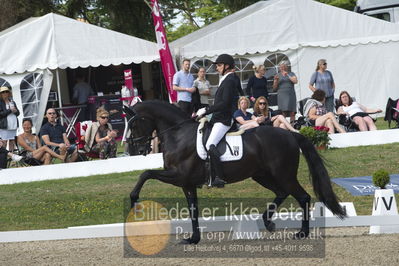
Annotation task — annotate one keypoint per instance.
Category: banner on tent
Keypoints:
(30, 92)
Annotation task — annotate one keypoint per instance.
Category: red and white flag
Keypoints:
(168, 68)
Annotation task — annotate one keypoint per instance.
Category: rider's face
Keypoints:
(220, 68)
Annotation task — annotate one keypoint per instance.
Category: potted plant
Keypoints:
(384, 202)
(317, 135)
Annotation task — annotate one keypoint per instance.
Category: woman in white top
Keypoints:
(8, 117)
(358, 113)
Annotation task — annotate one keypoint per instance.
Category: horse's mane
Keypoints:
(161, 109)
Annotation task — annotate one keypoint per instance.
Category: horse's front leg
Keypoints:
(192, 200)
(167, 176)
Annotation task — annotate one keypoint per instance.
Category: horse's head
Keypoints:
(141, 129)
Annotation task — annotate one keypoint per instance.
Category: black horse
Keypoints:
(270, 157)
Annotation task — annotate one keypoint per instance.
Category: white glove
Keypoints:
(201, 112)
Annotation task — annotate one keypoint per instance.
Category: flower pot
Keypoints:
(321, 147)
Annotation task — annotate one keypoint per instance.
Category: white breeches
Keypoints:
(217, 133)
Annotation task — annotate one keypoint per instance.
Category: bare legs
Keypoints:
(280, 121)
(364, 123)
(45, 154)
(329, 120)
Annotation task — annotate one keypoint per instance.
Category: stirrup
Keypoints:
(217, 182)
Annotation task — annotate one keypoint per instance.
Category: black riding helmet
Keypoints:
(225, 59)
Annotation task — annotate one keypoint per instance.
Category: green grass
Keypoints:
(100, 199)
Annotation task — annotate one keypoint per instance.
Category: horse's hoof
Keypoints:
(189, 241)
(301, 235)
(270, 226)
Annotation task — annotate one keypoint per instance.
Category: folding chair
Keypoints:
(392, 112)
(25, 161)
(80, 129)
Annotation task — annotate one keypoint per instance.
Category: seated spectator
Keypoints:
(262, 111)
(5, 154)
(100, 137)
(244, 118)
(317, 114)
(53, 135)
(357, 112)
(31, 145)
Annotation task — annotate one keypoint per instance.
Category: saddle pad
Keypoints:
(235, 143)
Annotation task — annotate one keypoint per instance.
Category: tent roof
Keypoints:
(268, 26)
(54, 41)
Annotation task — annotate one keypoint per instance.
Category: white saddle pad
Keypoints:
(235, 143)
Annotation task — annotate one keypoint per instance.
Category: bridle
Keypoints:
(146, 140)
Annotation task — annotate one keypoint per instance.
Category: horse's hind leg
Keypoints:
(271, 208)
(166, 176)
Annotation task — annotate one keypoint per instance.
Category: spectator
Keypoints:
(100, 137)
(5, 154)
(31, 145)
(265, 115)
(257, 85)
(203, 87)
(183, 84)
(357, 112)
(317, 114)
(244, 118)
(322, 79)
(81, 92)
(284, 83)
(8, 118)
(53, 135)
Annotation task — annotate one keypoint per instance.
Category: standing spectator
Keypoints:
(183, 84)
(100, 137)
(284, 83)
(5, 154)
(8, 118)
(53, 135)
(257, 85)
(203, 87)
(81, 92)
(322, 79)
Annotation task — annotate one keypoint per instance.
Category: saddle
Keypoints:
(230, 146)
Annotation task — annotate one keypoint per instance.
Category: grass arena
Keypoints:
(101, 199)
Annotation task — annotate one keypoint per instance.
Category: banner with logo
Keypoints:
(30, 92)
(168, 68)
(363, 185)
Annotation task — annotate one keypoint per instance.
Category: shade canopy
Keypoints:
(279, 25)
(54, 41)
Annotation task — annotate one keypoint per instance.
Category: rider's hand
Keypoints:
(201, 112)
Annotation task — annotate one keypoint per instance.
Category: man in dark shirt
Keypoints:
(53, 134)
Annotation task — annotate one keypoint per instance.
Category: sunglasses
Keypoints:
(5, 91)
(51, 113)
(104, 117)
(262, 103)
(324, 64)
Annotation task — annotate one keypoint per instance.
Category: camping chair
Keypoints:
(80, 129)
(301, 120)
(392, 112)
(25, 161)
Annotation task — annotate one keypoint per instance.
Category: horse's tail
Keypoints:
(319, 175)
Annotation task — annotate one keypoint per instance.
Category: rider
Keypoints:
(223, 108)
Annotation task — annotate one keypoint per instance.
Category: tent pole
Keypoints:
(59, 95)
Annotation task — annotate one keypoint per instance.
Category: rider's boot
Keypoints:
(216, 168)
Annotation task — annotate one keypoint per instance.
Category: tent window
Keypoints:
(271, 65)
(211, 74)
(383, 16)
(4, 83)
(31, 89)
(244, 70)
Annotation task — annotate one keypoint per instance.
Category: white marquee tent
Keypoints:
(362, 51)
(54, 42)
